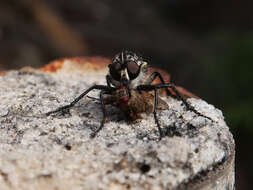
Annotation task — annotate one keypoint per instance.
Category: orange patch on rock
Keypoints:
(53, 66)
(3, 72)
(92, 63)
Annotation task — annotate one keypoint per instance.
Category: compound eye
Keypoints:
(114, 70)
(133, 69)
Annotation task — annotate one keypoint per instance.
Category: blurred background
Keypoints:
(207, 46)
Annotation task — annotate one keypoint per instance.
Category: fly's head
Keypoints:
(127, 70)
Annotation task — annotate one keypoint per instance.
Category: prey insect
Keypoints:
(131, 90)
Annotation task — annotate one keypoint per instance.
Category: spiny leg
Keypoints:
(104, 115)
(155, 116)
(66, 107)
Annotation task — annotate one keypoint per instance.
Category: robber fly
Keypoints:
(129, 88)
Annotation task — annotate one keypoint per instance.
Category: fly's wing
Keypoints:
(162, 105)
(144, 102)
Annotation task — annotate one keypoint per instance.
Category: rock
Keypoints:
(56, 152)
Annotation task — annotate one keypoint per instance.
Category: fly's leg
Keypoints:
(108, 81)
(187, 105)
(155, 116)
(103, 117)
(92, 98)
(109, 84)
(67, 107)
(179, 96)
(153, 76)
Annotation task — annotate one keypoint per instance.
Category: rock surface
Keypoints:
(56, 152)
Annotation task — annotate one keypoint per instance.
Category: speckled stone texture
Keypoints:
(56, 152)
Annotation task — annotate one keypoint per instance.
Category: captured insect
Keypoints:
(131, 90)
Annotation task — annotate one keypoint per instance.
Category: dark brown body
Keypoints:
(132, 103)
